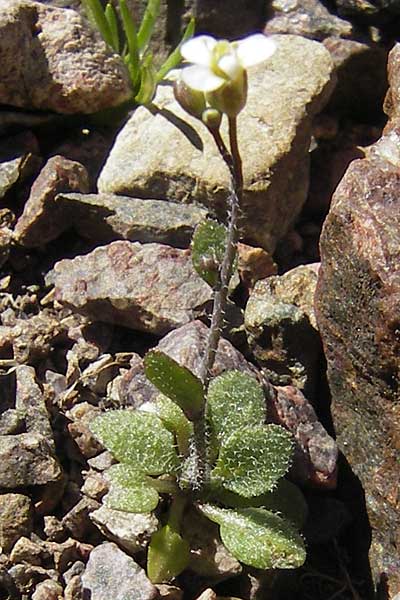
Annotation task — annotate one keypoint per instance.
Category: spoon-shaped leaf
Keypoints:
(168, 555)
(258, 537)
(208, 249)
(234, 400)
(176, 382)
(130, 490)
(138, 439)
(252, 459)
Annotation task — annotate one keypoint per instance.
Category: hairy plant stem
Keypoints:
(234, 164)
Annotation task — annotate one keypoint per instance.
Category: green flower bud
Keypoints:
(211, 118)
(231, 97)
(192, 101)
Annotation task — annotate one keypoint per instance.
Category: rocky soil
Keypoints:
(98, 206)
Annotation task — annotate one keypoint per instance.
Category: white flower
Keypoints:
(216, 63)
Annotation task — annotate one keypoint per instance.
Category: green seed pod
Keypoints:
(192, 101)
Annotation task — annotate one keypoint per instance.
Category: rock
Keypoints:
(73, 589)
(369, 11)
(31, 339)
(5, 244)
(77, 568)
(53, 528)
(107, 217)
(67, 553)
(309, 18)
(254, 264)
(208, 556)
(12, 422)
(392, 99)
(274, 137)
(27, 577)
(222, 19)
(53, 60)
(208, 594)
(357, 304)
(131, 531)
(81, 416)
(95, 486)
(30, 403)
(110, 573)
(16, 519)
(316, 452)
(361, 79)
(42, 219)
(27, 551)
(169, 592)
(19, 159)
(77, 520)
(26, 459)
(149, 287)
(48, 590)
(281, 328)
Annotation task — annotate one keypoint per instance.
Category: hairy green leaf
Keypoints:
(175, 57)
(168, 555)
(208, 249)
(175, 421)
(234, 400)
(130, 490)
(258, 537)
(138, 439)
(147, 25)
(253, 458)
(286, 499)
(175, 382)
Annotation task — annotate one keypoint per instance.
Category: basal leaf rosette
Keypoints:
(130, 490)
(258, 537)
(252, 459)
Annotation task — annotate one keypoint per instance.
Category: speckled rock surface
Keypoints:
(42, 220)
(274, 136)
(108, 217)
(281, 328)
(358, 307)
(392, 100)
(110, 573)
(149, 287)
(16, 519)
(53, 60)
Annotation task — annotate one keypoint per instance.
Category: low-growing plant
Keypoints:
(205, 441)
(120, 32)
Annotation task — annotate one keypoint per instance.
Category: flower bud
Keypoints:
(211, 118)
(193, 101)
(231, 97)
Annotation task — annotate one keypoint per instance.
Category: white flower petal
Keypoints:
(230, 65)
(201, 78)
(254, 49)
(198, 50)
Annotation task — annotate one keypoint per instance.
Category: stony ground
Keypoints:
(96, 218)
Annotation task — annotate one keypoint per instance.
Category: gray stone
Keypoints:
(12, 422)
(5, 244)
(274, 137)
(149, 287)
(169, 592)
(358, 308)
(19, 159)
(107, 217)
(25, 550)
(53, 60)
(27, 577)
(16, 519)
(309, 18)
(42, 219)
(77, 520)
(30, 402)
(281, 328)
(392, 100)
(73, 589)
(131, 531)
(26, 459)
(110, 573)
(47, 590)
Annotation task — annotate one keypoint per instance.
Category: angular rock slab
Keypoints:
(110, 573)
(165, 153)
(358, 313)
(148, 287)
(52, 59)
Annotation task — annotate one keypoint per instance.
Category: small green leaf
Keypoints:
(252, 459)
(175, 57)
(130, 490)
(286, 499)
(257, 537)
(208, 249)
(138, 439)
(147, 24)
(175, 382)
(234, 400)
(148, 81)
(111, 17)
(168, 555)
(95, 13)
(132, 59)
(175, 421)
